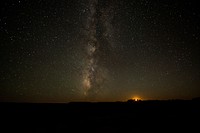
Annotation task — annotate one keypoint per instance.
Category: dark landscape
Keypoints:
(131, 116)
(100, 66)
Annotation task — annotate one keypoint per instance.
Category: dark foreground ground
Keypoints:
(124, 117)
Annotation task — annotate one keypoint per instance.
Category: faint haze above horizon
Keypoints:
(99, 50)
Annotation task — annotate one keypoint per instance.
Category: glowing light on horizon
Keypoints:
(136, 98)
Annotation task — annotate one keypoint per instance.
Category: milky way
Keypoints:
(94, 74)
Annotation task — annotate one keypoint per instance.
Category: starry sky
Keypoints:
(99, 50)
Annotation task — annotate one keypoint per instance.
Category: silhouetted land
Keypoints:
(142, 116)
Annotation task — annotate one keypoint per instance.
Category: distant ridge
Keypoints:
(196, 99)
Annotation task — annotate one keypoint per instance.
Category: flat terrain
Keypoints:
(127, 117)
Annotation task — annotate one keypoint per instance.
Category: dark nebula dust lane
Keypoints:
(99, 50)
(97, 36)
(92, 46)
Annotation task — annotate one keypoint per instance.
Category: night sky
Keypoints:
(106, 50)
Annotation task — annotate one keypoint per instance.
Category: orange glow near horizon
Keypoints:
(136, 98)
